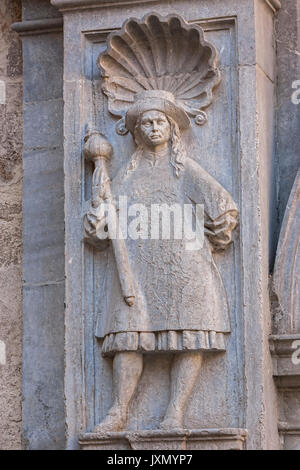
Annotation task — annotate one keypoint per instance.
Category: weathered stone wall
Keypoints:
(10, 225)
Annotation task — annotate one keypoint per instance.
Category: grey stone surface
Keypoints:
(264, 25)
(43, 366)
(43, 233)
(43, 72)
(258, 241)
(43, 420)
(36, 9)
(42, 125)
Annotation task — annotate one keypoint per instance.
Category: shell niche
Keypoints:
(159, 53)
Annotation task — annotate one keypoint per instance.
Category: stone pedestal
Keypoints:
(193, 439)
(286, 367)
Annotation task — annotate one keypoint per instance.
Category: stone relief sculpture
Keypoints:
(157, 74)
(286, 278)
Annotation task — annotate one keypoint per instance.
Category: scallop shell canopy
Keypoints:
(159, 53)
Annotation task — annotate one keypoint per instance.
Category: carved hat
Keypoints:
(161, 63)
(158, 100)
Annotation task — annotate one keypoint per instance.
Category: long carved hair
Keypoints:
(178, 153)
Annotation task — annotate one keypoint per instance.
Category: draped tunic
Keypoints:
(181, 302)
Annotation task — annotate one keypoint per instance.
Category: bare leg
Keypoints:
(127, 370)
(184, 372)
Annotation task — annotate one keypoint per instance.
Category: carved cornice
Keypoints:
(287, 428)
(65, 5)
(41, 26)
(48, 25)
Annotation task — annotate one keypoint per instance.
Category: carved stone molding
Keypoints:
(285, 370)
(289, 436)
(29, 27)
(195, 439)
(66, 5)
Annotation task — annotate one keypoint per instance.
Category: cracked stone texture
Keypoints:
(10, 225)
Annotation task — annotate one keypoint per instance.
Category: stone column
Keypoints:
(43, 228)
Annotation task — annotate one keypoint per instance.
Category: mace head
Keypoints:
(96, 145)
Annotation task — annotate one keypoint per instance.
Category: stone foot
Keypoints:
(114, 421)
(172, 420)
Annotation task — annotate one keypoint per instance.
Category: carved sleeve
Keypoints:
(219, 231)
(221, 213)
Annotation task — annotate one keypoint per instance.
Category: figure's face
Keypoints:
(154, 128)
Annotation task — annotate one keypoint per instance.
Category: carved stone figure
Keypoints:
(286, 278)
(164, 298)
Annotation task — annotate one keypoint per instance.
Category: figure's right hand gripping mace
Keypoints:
(98, 150)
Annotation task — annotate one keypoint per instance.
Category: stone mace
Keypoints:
(98, 150)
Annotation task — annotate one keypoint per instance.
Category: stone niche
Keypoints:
(234, 395)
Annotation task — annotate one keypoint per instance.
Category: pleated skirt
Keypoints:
(163, 341)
